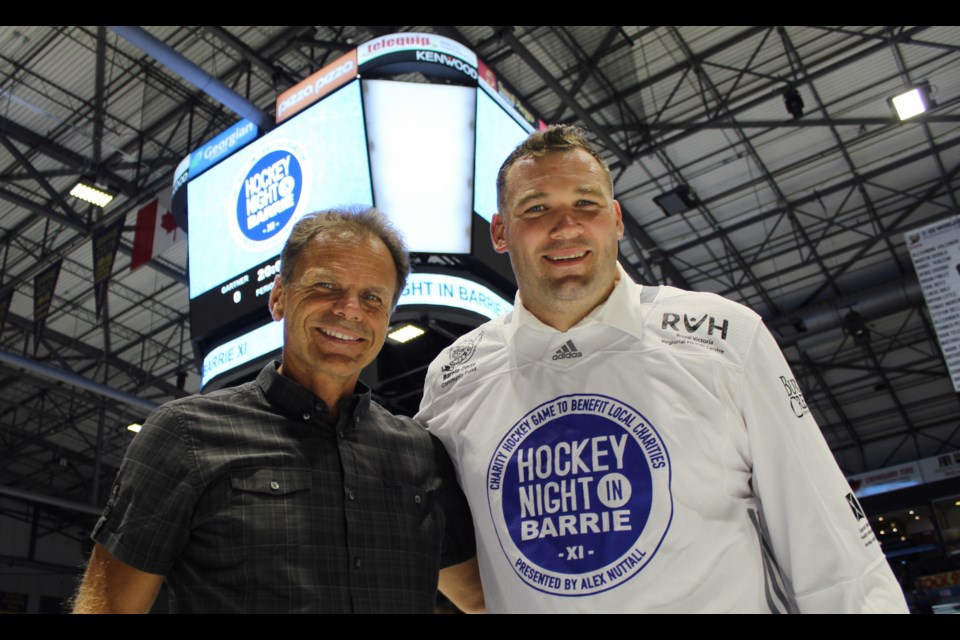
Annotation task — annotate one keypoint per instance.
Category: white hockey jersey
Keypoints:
(657, 457)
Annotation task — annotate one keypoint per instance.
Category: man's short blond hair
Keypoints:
(553, 139)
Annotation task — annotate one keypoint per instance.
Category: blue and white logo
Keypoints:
(581, 486)
(269, 194)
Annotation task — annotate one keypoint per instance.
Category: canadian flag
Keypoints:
(156, 231)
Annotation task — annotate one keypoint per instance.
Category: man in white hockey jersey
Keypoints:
(636, 449)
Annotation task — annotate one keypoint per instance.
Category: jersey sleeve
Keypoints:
(819, 535)
(146, 521)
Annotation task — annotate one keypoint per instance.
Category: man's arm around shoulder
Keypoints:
(112, 586)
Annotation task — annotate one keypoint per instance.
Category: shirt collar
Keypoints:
(620, 310)
(295, 401)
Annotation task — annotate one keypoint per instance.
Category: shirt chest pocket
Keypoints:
(408, 517)
(272, 505)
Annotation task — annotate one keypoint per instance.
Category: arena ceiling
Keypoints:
(800, 216)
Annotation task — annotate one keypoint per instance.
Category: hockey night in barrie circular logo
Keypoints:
(268, 195)
(579, 489)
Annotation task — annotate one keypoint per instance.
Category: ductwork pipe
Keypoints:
(30, 496)
(75, 380)
(190, 72)
(870, 303)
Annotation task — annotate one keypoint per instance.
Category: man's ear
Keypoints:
(497, 234)
(616, 207)
(276, 300)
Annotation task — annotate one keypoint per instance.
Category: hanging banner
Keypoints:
(5, 297)
(43, 285)
(940, 466)
(105, 244)
(935, 251)
(156, 231)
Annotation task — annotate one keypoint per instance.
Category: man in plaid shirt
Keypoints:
(294, 492)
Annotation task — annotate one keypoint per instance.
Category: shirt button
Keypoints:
(350, 495)
(306, 416)
(357, 419)
(356, 562)
(416, 498)
(340, 433)
(275, 485)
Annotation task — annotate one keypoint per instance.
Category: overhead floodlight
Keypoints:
(911, 103)
(793, 102)
(93, 193)
(134, 427)
(677, 200)
(856, 328)
(406, 333)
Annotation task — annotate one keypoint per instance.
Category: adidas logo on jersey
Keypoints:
(568, 350)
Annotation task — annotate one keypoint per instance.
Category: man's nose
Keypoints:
(348, 306)
(565, 225)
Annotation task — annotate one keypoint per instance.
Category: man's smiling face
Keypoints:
(336, 308)
(561, 226)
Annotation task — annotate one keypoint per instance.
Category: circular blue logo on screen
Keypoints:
(580, 491)
(269, 195)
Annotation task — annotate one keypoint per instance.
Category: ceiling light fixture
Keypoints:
(93, 193)
(677, 200)
(793, 102)
(406, 333)
(912, 102)
(855, 327)
(134, 427)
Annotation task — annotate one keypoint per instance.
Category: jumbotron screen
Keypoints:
(241, 211)
(426, 154)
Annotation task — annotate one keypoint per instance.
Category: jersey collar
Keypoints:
(621, 310)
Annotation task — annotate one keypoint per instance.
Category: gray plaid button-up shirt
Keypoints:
(249, 500)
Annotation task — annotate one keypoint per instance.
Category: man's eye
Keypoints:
(537, 208)
(371, 297)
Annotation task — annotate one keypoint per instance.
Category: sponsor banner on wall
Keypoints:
(887, 479)
(940, 467)
(506, 98)
(322, 83)
(105, 244)
(935, 251)
(939, 580)
(932, 469)
(44, 283)
(424, 52)
(222, 146)
(368, 52)
(215, 150)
